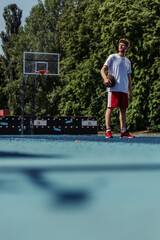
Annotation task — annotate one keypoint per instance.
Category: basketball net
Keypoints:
(43, 74)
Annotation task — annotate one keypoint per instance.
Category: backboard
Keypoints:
(35, 61)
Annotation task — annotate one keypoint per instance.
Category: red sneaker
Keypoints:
(126, 134)
(109, 134)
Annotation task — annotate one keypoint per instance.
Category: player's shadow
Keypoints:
(61, 196)
(73, 197)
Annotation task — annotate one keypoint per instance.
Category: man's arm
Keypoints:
(130, 87)
(107, 82)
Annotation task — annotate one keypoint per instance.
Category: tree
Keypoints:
(3, 96)
(81, 60)
(12, 16)
(42, 36)
(39, 34)
(146, 61)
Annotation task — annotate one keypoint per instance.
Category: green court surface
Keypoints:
(79, 187)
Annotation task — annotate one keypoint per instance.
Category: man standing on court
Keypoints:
(120, 67)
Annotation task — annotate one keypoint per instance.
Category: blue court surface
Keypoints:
(79, 188)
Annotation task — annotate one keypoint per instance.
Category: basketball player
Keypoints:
(120, 67)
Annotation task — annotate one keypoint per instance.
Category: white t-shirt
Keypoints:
(119, 67)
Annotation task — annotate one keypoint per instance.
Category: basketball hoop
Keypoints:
(43, 74)
(37, 65)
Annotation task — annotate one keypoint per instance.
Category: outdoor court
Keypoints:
(79, 187)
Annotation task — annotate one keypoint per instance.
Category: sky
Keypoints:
(24, 5)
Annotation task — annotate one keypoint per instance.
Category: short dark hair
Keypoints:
(125, 41)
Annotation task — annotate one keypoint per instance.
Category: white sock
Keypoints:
(123, 130)
(108, 129)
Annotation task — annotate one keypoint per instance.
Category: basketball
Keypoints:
(112, 79)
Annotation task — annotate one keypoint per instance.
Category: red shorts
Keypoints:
(117, 99)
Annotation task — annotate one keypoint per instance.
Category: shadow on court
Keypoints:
(82, 168)
(37, 178)
(62, 195)
(58, 194)
(30, 156)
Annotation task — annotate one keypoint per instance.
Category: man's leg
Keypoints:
(122, 117)
(108, 122)
(108, 117)
(124, 132)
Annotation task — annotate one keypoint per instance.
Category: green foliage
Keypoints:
(3, 96)
(12, 16)
(39, 34)
(80, 67)
(42, 36)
